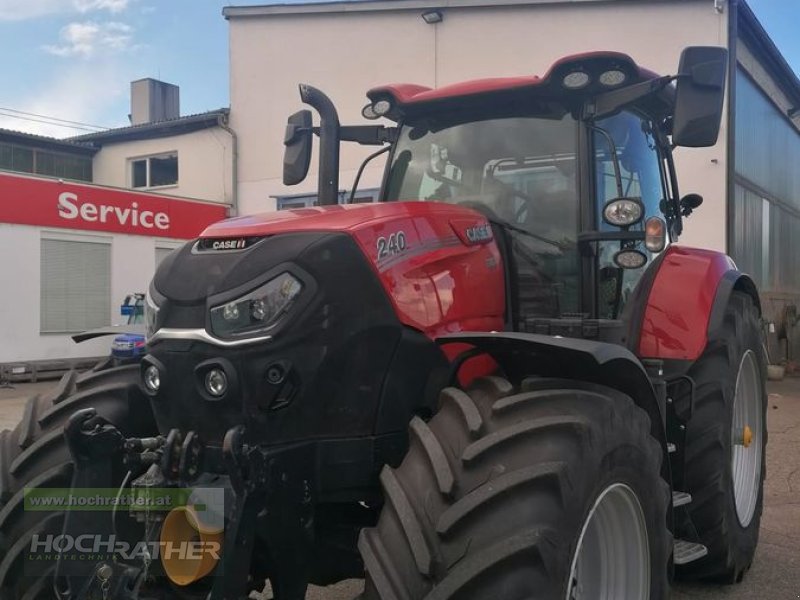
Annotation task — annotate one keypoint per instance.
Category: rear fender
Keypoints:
(686, 303)
(612, 365)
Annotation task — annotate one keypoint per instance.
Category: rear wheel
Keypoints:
(35, 455)
(725, 445)
(553, 491)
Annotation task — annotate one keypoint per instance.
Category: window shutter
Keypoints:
(161, 254)
(75, 286)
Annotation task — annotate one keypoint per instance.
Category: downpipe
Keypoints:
(328, 185)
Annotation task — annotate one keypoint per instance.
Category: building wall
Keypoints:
(204, 164)
(766, 202)
(132, 267)
(346, 53)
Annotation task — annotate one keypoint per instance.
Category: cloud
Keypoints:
(113, 6)
(21, 10)
(82, 92)
(87, 38)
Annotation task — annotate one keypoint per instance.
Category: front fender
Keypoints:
(686, 302)
(612, 365)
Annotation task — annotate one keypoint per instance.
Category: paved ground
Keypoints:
(776, 571)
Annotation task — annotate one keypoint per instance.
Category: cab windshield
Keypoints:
(520, 171)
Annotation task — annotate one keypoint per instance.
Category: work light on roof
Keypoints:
(613, 77)
(376, 109)
(368, 112)
(381, 107)
(576, 80)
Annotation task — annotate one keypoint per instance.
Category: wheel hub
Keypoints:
(745, 437)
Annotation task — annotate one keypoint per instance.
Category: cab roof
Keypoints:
(408, 98)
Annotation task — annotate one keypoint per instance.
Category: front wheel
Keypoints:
(726, 439)
(551, 491)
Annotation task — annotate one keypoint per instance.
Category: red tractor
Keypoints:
(500, 381)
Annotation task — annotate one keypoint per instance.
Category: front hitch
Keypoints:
(94, 445)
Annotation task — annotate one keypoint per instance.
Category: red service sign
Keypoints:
(53, 203)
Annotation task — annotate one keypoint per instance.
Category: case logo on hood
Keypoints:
(479, 233)
(226, 244)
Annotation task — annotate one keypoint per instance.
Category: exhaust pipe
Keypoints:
(190, 546)
(328, 185)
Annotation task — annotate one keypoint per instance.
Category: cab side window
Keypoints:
(630, 138)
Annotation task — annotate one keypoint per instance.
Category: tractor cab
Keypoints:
(573, 169)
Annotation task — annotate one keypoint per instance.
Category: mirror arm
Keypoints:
(368, 135)
(610, 102)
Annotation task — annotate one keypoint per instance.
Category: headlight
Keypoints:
(150, 315)
(623, 212)
(257, 311)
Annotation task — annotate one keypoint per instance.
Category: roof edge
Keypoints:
(367, 6)
(178, 126)
(42, 142)
(781, 70)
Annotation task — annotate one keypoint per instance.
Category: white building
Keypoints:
(85, 221)
(749, 180)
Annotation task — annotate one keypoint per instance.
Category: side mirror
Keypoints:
(699, 95)
(689, 203)
(297, 155)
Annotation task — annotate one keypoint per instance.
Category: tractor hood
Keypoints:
(344, 218)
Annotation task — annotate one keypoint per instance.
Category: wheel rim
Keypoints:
(747, 436)
(612, 559)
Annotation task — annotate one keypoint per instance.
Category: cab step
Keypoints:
(685, 552)
(680, 499)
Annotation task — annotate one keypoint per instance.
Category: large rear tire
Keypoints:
(724, 463)
(550, 492)
(35, 455)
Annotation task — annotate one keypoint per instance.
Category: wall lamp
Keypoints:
(431, 17)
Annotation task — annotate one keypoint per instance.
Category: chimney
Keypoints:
(153, 100)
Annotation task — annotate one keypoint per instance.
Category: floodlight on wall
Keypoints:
(431, 17)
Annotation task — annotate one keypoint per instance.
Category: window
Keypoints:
(15, 158)
(290, 202)
(163, 252)
(64, 165)
(365, 196)
(519, 171)
(75, 285)
(362, 196)
(640, 176)
(42, 162)
(154, 171)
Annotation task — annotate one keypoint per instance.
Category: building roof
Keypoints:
(157, 129)
(773, 60)
(45, 143)
(355, 6)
